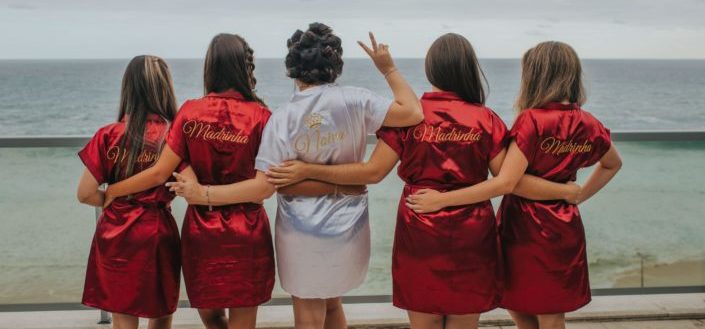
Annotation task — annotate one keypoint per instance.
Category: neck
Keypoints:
(565, 102)
(303, 86)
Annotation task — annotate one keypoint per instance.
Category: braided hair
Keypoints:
(315, 56)
(230, 64)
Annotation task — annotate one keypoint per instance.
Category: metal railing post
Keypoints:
(104, 316)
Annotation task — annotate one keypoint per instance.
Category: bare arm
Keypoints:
(512, 169)
(381, 162)
(88, 190)
(605, 170)
(536, 188)
(146, 179)
(405, 110)
(254, 190)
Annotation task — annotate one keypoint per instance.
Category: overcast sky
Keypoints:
(497, 29)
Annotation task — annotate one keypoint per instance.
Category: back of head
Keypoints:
(451, 65)
(147, 89)
(315, 56)
(230, 64)
(550, 72)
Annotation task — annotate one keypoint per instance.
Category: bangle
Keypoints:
(208, 198)
(390, 72)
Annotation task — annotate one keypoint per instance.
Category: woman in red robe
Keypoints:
(134, 264)
(227, 251)
(543, 242)
(445, 264)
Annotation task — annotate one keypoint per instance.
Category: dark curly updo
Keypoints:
(315, 56)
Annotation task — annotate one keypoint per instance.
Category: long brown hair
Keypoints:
(550, 72)
(451, 65)
(147, 89)
(230, 65)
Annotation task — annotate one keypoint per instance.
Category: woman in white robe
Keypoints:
(322, 233)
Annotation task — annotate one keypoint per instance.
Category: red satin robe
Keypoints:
(446, 262)
(227, 253)
(134, 262)
(544, 241)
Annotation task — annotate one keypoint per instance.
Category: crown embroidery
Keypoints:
(313, 120)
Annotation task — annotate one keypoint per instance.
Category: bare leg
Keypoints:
(160, 323)
(213, 318)
(420, 320)
(465, 321)
(309, 313)
(525, 321)
(124, 321)
(335, 315)
(242, 318)
(551, 321)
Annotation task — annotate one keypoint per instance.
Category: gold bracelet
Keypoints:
(390, 72)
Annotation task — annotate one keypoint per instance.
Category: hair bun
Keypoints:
(315, 56)
(294, 38)
(319, 29)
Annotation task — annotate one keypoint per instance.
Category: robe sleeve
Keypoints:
(525, 134)
(372, 106)
(499, 135)
(176, 139)
(93, 156)
(392, 137)
(602, 143)
(273, 150)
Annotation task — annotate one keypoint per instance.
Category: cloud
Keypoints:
(20, 6)
(499, 28)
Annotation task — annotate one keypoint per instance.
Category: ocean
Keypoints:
(653, 208)
(76, 97)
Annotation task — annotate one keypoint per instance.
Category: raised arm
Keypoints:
(146, 179)
(88, 190)
(381, 162)
(405, 110)
(605, 170)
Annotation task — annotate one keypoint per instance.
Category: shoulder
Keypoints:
(352, 89)
(111, 128)
(528, 116)
(492, 115)
(486, 110)
(109, 133)
(352, 92)
(260, 109)
(591, 120)
(587, 116)
(278, 116)
(190, 105)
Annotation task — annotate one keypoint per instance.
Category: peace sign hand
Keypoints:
(379, 53)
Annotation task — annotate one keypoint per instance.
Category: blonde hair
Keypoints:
(550, 72)
(147, 88)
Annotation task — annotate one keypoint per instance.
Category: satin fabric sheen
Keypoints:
(544, 241)
(446, 262)
(134, 262)
(227, 253)
(322, 243)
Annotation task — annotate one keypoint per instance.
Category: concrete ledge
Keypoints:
(384, 315)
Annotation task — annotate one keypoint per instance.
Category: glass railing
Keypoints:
(644, 231)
